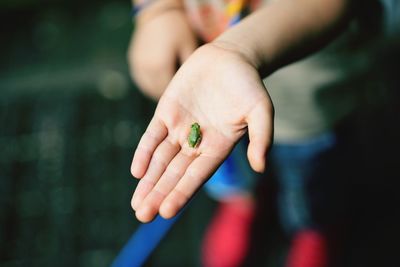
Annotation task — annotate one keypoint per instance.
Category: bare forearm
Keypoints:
(285, 30)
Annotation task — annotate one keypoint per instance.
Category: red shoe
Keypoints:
(227, 238)
(308, 249)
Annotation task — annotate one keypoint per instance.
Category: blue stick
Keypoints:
(143, 242)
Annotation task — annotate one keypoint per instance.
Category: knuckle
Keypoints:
(194, 175)
(158, 159)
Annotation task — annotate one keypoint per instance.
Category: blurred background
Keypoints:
(70, 118)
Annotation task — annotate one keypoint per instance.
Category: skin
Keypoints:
(170, 170)
(220, 87)
(163, 40)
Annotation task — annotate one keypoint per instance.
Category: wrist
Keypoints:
(148, 9)
(246, 53)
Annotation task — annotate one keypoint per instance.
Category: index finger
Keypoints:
(153, 136)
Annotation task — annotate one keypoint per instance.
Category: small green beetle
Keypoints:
(194, 137)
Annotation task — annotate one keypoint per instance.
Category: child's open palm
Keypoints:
(221, 91)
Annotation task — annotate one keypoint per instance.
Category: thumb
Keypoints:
(260, 127)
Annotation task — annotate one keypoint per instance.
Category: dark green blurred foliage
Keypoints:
(70, 119)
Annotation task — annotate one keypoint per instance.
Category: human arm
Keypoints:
(220, 88)
(162, 41)
(286, 30)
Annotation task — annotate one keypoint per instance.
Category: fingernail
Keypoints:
(134, 201)
(134, 170)
(134, 205)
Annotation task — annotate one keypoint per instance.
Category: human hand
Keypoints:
(221, 91)
(159, 45)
